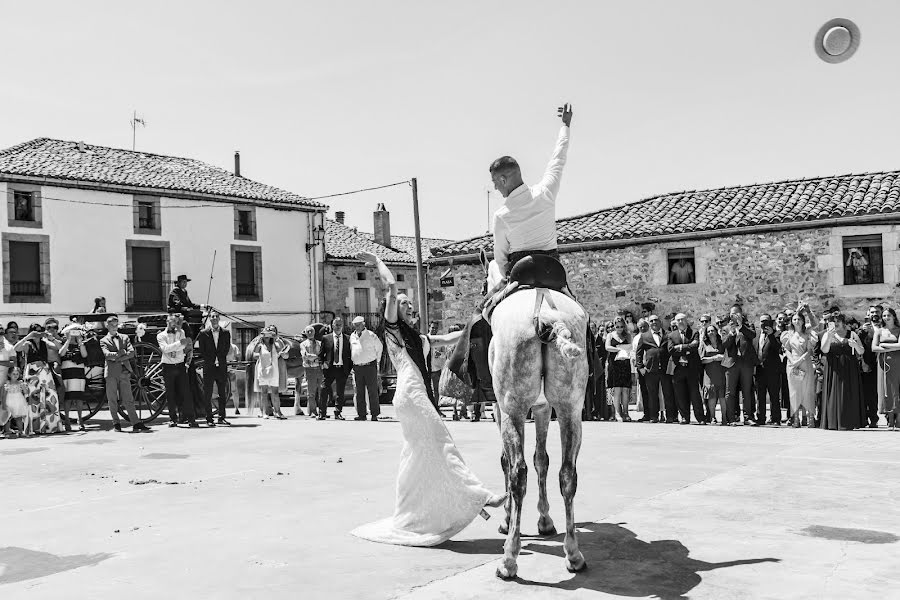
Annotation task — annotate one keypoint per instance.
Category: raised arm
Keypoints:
(390, 308)
(553, 174)
(447, 338)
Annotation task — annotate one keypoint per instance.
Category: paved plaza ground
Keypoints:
(263, 510)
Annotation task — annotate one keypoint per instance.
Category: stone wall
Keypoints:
(340, 280)
(764, 272)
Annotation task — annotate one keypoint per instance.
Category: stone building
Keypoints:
(831, 241)
(349, 287)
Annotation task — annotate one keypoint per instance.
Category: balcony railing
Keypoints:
(25, 288)
(246, 290)
(142, 295)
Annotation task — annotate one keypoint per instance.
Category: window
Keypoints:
(26, 276)
(24, 269)
(147, 219)
(681, 266)
(148, 275)
(24, 205)
(246, 273)
(244, 227)
(145, 216)
(245, 223)
(401, 277)
(361, 300)
(401, 291)
(360, 276)
(243, 335)
(863, 260)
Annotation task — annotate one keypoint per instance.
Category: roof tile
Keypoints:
(707, 210)
(59, 159)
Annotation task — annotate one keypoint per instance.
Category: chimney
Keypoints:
(237, 163)
(339, 216)
(382, 225)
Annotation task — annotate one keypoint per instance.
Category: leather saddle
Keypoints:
(539, 270)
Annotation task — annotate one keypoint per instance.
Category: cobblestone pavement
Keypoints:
(263, 510)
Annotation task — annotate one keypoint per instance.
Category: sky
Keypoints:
(327, 97)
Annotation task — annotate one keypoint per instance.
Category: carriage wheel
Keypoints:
(94, 394)
(147, 384)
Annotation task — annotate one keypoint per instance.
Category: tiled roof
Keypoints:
(407, 244)
(345, 242)
(75, 161)
(784, 202)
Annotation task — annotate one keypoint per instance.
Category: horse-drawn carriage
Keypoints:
(147, 384)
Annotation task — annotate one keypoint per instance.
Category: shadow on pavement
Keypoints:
(618, 562)
(21, 564)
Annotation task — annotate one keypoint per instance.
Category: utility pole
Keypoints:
(488, 210)
(420, 272)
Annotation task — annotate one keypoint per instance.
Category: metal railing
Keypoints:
(246, 290)
(145, 295)
(26, 288)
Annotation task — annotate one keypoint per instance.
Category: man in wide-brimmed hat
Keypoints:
(179, 301)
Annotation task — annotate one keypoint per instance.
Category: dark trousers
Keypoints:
(219, 375)
(785, 392)
(668, 392)
(768, 381)
(178, 396)
(687, 393)
(651, 399)
(870, 394)
(338, 378)
(366, 377)
(738, 377)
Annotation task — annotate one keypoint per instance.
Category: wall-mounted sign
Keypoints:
(447, 281)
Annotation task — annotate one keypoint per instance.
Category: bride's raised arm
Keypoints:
(390, 308)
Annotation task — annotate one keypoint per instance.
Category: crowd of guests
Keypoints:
(831, 371)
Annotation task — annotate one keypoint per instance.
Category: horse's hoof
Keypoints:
(507, 573)
(576, 566)
(547, 531)
(503, 529)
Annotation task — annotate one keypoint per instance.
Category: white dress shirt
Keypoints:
(365, 347)
(527, 220)
(170, 346)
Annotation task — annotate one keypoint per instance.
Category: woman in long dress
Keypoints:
(269, 376)
(842, 403)
(437, 494)
(799, 346)
(886, 344)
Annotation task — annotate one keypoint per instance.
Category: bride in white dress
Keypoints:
(437, 494)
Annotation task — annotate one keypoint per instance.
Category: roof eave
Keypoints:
(354, 262)
(867, 219)
(149, 191)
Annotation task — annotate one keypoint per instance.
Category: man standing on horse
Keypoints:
(526, 223)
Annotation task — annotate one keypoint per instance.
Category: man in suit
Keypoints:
(869, 366)
(336, 364)
(651, 360)
(768, 372)
(683, 346)
(215, 345)
(118, 352)
(739, 362)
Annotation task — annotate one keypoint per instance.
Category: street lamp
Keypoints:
(318, 236)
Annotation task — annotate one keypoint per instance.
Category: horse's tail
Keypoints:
(552, 331)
